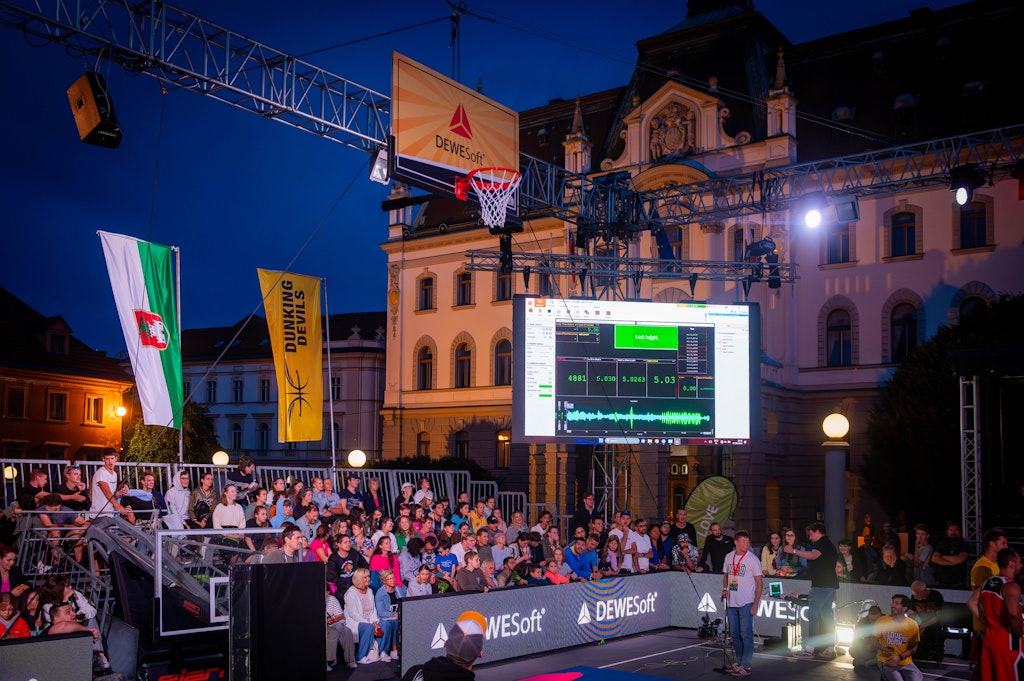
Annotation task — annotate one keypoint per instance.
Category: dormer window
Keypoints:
(57, 343)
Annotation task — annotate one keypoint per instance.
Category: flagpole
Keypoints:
(330, 389)
(177, 295)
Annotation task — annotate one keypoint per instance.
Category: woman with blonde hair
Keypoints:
(387, 611)
(361, 618)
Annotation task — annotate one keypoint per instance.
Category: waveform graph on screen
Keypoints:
(660, 418)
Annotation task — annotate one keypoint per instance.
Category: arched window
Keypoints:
(503, 362)
(839, 339)
(263, 435)
(424, 369)
(463, 366)
(503, 458)
(423, 444)
(903, 328)
(970, 306)
(462, 445)
(236, 436)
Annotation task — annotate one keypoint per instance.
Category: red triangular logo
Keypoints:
(460, 123)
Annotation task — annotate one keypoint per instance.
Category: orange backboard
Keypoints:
(442, 129)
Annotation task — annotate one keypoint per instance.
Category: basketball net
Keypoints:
(495, 188)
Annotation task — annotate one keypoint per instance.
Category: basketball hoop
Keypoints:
(495, 189)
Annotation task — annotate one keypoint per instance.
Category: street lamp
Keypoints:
(121, 411)
(835, 427)
(220, 458)
(357, 458)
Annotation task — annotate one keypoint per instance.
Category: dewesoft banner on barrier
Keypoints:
(524, 620)
(528, 620)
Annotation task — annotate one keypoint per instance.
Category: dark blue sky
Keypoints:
(236, 192)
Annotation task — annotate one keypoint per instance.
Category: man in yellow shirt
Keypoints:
(896, 639)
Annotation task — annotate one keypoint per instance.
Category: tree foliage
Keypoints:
(200, 441)
(914, 427)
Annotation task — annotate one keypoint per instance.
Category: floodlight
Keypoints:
(963, 180)
(380, 171)
(812, 205)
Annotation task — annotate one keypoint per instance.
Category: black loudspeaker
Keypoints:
(277, 627)
(94, 111)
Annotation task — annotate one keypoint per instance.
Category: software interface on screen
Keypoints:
(613, 372)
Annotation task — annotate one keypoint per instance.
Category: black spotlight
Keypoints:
(963, 180)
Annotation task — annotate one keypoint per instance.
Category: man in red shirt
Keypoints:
(997, 604)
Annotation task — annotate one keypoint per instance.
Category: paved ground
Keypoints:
(671, 654)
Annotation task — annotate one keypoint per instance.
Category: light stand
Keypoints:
(725, 639)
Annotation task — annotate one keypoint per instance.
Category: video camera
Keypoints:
(709, 628)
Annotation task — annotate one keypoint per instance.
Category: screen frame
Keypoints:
(519, 393)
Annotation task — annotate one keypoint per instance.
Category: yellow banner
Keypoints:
(292, 303)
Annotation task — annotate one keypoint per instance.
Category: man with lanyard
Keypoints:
(822, 557)
(896, 638)
(741, 590)
(997, 604)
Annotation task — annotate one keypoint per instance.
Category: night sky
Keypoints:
(236, 192)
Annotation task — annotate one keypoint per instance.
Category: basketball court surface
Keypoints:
(666, 654)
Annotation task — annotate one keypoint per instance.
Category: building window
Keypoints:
(464, 288)
(838, 244)
(462, 445)
(58, 407)
(264, 390)
(970, 306)
(904, 234)
(186, 388)
(426, 297)
(58, 344)
(739, 248)
(504, 450)
(263, 437)
(236, 389)
(335, 388)
(839, 339)
(903, 327)
(503, 362)
(236, 436)
(463, 365)
(973, 225)
(211, 392)
(544, 285)
(15, 408)
(424, 369)
(423, 444)
(503, 286)
(337, 434)
(94, 410)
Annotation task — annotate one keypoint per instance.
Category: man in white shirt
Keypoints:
(177, 497)
(638, 545)
(741, 589)
(103, 485)
(621, 532)
(463, 547)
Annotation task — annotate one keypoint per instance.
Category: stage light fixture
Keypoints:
(379, 170)
(963, 180)
(812, 205)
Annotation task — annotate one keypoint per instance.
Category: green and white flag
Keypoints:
(142, 277)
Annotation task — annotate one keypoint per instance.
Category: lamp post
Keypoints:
(357, 458)
(835, 427)
(220, 458)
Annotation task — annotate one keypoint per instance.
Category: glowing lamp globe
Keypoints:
(121, 411)
(220, 458)
(357, 458)
(10, 472)
(835, 426)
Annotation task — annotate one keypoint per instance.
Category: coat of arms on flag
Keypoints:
(151, 329)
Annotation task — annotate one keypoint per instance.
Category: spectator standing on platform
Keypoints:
(351, 497)
(790, 562)
(638, 546)
(822, 558)
(897, 638)
(424, 496)
(716, 546)
(741, 589)
(244, 479)
(103, 486)
(950, 559)
(584, 514)
(681, 526)
(922, 555)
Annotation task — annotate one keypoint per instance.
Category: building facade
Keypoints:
(723, 93)
(239, 388)
(60, 397)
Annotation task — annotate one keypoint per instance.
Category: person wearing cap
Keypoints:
(465, 645)
(405, 497)
(684, 555)
(351, 497)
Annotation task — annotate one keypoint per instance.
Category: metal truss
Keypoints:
(970, 461)
(185, 51)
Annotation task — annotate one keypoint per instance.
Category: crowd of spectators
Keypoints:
(377, 551)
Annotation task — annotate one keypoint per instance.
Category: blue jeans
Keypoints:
(365, 640)
(821, 620)
(741, 628)
(390, 638)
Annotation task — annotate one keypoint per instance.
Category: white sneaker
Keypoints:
(352, 665)
(384, 657)
(99, 661)
(366, 660)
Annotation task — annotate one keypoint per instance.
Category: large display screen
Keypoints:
(633, 372)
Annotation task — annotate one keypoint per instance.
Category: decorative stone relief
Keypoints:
(673, 132)
(393, 297)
